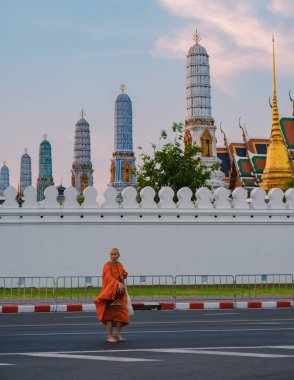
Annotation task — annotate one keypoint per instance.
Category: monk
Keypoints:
(111, 304)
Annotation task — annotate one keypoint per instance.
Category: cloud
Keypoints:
(282, 7)
(236, 34)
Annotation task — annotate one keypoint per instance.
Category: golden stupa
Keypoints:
(278, 169)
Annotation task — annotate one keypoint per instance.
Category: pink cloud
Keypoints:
(234, 34)
(282, 7)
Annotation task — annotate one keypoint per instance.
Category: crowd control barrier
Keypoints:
(84, 289)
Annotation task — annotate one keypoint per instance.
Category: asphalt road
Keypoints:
(201, 344)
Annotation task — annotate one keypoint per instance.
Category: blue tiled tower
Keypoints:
(82, 172)
(123, 159)
(45, 178)
(4, 178)
(25, 171)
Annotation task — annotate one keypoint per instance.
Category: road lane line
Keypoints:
(149, 332)
(156, 322)
(214, 314)
(150, 349)
(6, 364)
(89, 357)
(222, 353)
(81, 316)
(154, 331)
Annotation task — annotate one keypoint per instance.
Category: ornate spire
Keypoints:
(82, 171)
(196, 37)
(123, 159)
(123, 87)
(25, 171)
(45, 136)
(4, 178)
(83, 113)
(275, 115)
(277, 171)
(45, 178)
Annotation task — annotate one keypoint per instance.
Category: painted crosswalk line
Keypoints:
(224, 353)
(88, 357)
(114, 354)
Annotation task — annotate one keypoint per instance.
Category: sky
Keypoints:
(58, 56)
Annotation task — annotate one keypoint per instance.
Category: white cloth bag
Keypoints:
(129, 304)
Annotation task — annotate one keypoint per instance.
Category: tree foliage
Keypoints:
(291, 183)
(172, 164)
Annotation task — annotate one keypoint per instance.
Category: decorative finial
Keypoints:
(123, 87)
(292, 100)
(4, 163)
(45, 136)
(83, 113)
(26, 150)
(222, 131)
(274, 68)
(196, 37)
(270, 102)
(220, 127)
(61, 180)
(243, 128)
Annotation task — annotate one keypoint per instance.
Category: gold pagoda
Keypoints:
(278, 168)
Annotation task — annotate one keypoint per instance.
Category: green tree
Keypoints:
(291, 183)
(173, 165)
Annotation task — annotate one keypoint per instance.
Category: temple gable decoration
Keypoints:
(206, 143)
(187, 138)
(126, 171)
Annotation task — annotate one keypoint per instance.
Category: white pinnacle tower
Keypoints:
(200, 128)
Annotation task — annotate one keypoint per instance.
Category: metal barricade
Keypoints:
(150, 288)
(27, 290)
(196, 287)
(77, 289)
(84, 289)
(264, 286)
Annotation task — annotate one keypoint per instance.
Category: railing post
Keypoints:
(55, 283)
(174, 289)
(235, 291)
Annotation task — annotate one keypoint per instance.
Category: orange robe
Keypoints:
(111, 277)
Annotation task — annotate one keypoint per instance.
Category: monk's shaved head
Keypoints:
(114, 250)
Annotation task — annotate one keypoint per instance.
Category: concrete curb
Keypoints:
(233, 305)
(150, 305)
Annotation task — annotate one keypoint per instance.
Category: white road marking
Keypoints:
(219, 351)
(6, 364)
(89, 357)
(239, 321)
(214, 314)
(95, 332)
(81, 316)
(225, 353)
(283, 347)
(109, 351)
(152, 349)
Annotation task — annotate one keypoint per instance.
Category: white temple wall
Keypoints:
(228, 237)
